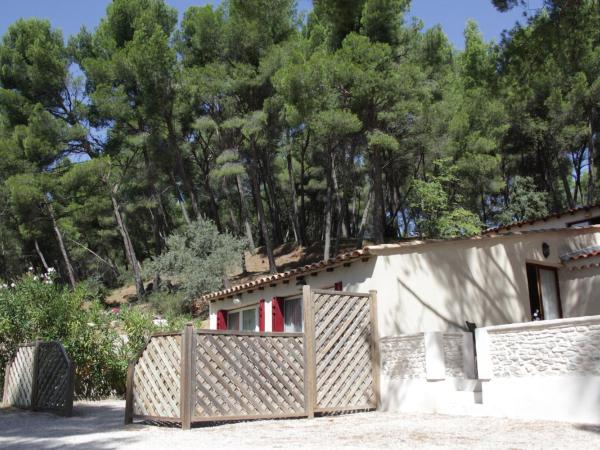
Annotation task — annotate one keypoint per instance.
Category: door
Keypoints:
(544, 293)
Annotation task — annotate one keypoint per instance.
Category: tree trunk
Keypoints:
(187, 184)
(590, 193)
(181, 201)
(41, 255)
(61, 244)
(129, 250)
(244, 211)
(294, 210)
(363, 221)
(260, 210)
(378, 210)
(328, 208)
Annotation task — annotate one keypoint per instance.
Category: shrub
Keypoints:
(35, 307)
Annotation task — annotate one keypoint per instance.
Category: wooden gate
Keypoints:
(210, 375)
(40, 377)
(342, 350)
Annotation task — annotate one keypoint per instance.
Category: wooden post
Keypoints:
(34, 374)
(5, 390)
(375, 357)
(186, 403)
(310, 365)
(129, 393)
(68, 409)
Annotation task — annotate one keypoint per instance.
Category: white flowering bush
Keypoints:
(37, 307)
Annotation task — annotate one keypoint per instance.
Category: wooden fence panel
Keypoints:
(40, 377)
(346, 375)
(156, 379)
(248, 375)
(18, 380)
(54, 379)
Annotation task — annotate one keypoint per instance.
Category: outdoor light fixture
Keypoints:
(236, 301)
(545, 250)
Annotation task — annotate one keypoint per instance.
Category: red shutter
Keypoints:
(338, 286)
(222, 319)
(277, 309)
(261, 315)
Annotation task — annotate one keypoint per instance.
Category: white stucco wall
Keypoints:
(580, 287)
(437, 287)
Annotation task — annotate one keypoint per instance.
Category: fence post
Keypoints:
(5, 390)
(129, 393)
(34, 374)
(375, 357)
(186, 403)
(310, 364)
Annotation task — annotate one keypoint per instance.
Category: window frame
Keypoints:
(240, 311)
(538, 267)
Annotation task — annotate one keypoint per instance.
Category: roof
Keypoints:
(367, 252)
(584, 253)
(540, 219)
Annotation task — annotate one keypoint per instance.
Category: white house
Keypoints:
(540, 270)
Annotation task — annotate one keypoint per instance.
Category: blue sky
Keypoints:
(70, 15)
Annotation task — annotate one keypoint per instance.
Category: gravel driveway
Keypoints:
(99, 425)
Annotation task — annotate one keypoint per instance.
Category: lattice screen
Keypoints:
(344, 374)
(157, 378)
(18, 382)
(248, 376)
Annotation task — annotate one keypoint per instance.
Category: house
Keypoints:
(543, 269)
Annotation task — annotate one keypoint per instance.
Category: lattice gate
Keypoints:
(40, 377)
(343, 353)
(210, 375)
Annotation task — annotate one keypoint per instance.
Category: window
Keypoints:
(233, 320)
(544, 295)
(245, 320)
(584, 223)
(249, 320)
(292, 314)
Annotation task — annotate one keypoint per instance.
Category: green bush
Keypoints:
(35, 307)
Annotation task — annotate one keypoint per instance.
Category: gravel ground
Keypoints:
(99, 425)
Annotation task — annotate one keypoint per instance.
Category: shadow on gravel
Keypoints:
(590, 428)
(26, 429)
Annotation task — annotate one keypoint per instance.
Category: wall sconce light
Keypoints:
(236, 301)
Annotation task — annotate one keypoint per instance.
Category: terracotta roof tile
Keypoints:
(539, 219)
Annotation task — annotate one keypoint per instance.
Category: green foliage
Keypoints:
(35, 307)
(524, 202)
(198, 258)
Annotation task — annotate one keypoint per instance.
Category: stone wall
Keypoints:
(541, 370)
(454, 355)
(403, 356)
(545, 348)
(432, 355)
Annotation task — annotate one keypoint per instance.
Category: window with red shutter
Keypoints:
(277, 311)
(261, 315)
(338, 286)
(222, 319)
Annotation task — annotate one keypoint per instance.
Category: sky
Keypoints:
(452, 15)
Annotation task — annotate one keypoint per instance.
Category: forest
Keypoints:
(250, 125)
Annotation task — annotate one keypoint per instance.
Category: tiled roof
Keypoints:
(540, 219)
(300, 271)
(587, 252)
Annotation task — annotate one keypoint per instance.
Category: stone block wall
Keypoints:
(427, 356)
(403, 356)
(545, 348)
(454, 355)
